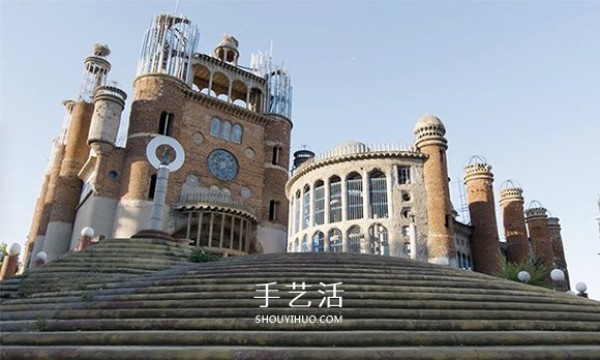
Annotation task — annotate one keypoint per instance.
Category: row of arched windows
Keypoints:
(375, 241)
(321, 197)
(225, 130)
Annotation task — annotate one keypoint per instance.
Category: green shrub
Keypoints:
(540, 274)
(201, 255)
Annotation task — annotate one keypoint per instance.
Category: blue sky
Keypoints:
(516, 82)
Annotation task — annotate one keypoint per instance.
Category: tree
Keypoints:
(3, 250)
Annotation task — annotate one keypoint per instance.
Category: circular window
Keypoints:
(245, 192)
(112, 175)
(406, 196)
(223, 165)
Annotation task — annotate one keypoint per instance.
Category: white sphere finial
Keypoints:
(87, 231)
(557, 275)
(14, 249)
(581, 287)
(42, 256)
(524, 276)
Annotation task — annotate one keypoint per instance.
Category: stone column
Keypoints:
(515, 231)
(537, 223)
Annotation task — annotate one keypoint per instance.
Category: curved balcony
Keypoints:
(216, 201)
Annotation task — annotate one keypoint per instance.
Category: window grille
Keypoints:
(354, 239)
(318, 242)
(403, 174)
(355, 198)
(306, 210)
(335, 200)
(297, 212)
(320, 204)
(378, 195)
(335, 240)
(305, 243)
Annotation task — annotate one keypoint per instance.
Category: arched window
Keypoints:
(236, 134)
(296, 245)
(378, 240)
(318, 242)
(297, 212)
(319, 202)
(226, 130)
(305, 243)
(335, 240)
(378, 194)
(335, 199)
(215, 127)
(354, 239)
(355, 196)
(306, 208)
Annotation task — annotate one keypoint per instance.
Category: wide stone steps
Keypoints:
(391, 308)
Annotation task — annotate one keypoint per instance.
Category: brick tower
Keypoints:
(485, 246)
(537, 224)
(234, 125)
(429, 139)
(560, 261)
(67, 187)
(515, 230)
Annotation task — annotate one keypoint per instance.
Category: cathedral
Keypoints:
(220, 132)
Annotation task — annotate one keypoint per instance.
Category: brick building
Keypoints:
(230, 194)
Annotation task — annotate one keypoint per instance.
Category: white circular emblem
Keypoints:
(161, 140)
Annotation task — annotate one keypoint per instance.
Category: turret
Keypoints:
(537, 222)
(485, 246)
(429, 139)
(515, 231)
(68, 185)
(227, 50)
(558, 251)
(302, 156)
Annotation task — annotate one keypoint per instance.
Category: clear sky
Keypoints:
(517, 82)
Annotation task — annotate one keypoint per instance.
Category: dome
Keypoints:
(397, 307)
(229, 41)
(350, 147)
(428, 120)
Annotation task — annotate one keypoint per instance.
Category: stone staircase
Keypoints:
(391, 308)
(109, 260)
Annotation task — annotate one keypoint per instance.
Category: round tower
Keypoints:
(158, 106)
(557, 247)
(515, 231)
(227, 50)
(429, 139)
(485, 246)
(68, 186)
(537, 223)
(272, 231)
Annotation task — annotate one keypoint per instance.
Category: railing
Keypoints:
(359, 148)
(217, 198)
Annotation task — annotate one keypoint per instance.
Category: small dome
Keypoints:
(229, 41)
(350, 147)
(510, 184)
(428, 120)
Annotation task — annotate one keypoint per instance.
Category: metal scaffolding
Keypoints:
(168, 46)
(279, 84)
